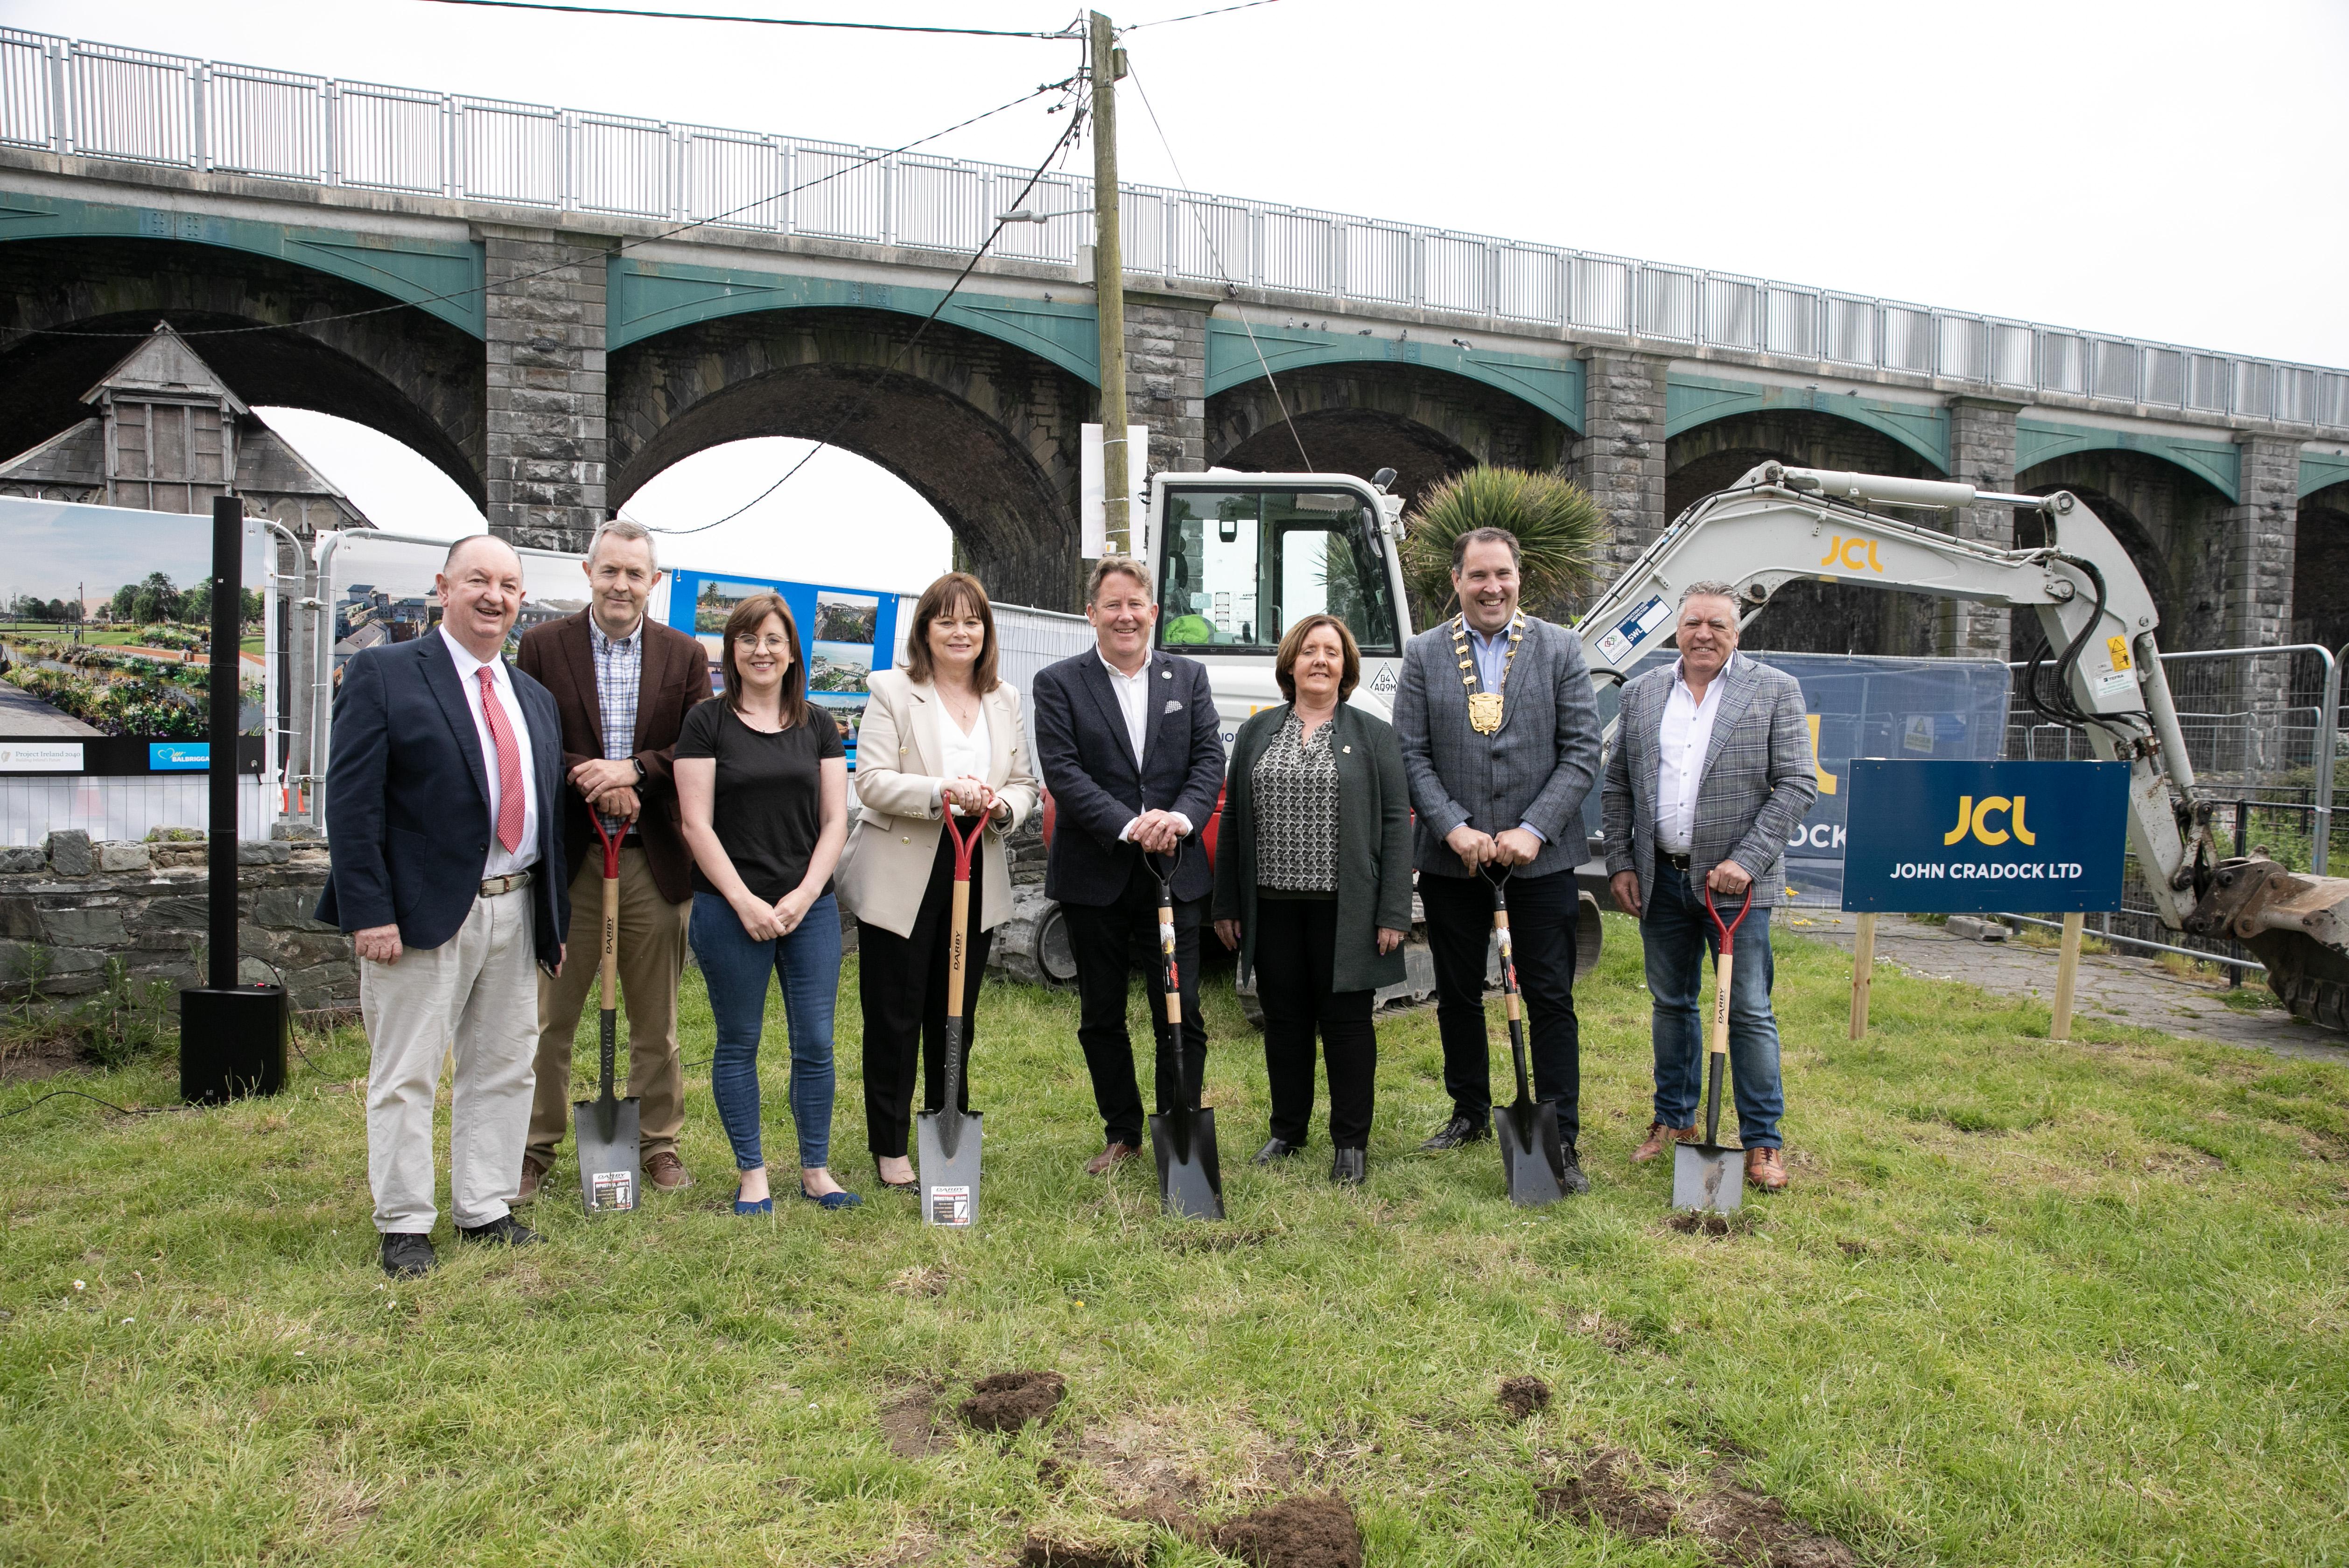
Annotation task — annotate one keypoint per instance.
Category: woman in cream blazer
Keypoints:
(918, 747)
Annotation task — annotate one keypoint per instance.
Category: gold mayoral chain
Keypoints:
(1484, 706)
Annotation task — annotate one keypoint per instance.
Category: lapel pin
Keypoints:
(1346, 749)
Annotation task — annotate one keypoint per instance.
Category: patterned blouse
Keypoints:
(1297, 811)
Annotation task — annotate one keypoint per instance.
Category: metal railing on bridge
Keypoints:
(99, 100)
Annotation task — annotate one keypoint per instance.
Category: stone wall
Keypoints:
(546, 439)
(70, 907)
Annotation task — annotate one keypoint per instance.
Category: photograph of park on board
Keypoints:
(105, 627)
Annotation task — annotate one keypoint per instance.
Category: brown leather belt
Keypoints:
(492, 886)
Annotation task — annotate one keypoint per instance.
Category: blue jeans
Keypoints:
(735, 969)
(1678, 934)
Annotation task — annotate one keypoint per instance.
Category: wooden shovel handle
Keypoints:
(1721, 1001)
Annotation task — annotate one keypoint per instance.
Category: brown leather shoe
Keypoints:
(534, 1172)
(1766, 1169)
(666, 1172)
(1100, 1164)
(1659, 1135)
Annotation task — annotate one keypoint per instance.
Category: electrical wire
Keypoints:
(1216, 256)
(505, 286)
(1218, 11)
(1076, 121)
(76, 1094)
(761, 21)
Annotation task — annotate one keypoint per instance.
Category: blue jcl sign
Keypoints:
(1970, 838)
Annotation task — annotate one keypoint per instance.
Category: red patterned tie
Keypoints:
(501, 735)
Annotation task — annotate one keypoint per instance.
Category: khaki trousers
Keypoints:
(651, 957)
(469, 998)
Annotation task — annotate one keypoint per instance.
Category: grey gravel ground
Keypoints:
(2126, 989)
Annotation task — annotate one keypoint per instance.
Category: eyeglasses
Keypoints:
(750, 643)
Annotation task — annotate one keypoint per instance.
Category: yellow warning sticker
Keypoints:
(2119, 647)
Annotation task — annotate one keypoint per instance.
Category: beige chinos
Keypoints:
(472, 997)
(651, 957)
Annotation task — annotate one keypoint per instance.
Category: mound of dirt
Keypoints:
(1007, 1401)
(1605, 1493)
(1522, 1397)
(1748, 1528)
(1043, 1551)
(1299, 1532)
(1699, 1222)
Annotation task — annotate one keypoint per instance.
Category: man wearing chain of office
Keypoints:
(1500, 739)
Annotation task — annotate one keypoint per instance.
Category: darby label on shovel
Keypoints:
(950, 1206)
(611, 1190)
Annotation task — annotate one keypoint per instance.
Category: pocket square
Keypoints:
(1174, 705)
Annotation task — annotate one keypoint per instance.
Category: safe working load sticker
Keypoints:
(1632, 630)
(1974, 838)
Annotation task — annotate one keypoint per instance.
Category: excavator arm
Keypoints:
(2101, 673)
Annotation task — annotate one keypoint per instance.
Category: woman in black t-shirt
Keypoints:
(762, 785)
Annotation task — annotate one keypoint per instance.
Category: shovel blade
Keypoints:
(949, 1181)
(1533, 1153)
(1190, 1176)
(1707, 1176)
(611, 1164)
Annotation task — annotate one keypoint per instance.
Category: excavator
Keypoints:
(1239, 556)
(2099, 674)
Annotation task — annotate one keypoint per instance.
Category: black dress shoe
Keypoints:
(407, 1255)
(1573, 1181)
(1460, 1129)
(1275, 1149)
(504, 1227)
(1351, 1167)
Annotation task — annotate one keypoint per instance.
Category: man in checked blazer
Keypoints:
(1500, 741)
(1710, 777)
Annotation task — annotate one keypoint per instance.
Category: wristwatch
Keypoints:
(639, 763)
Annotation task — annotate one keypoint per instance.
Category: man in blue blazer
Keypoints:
(444, 825)
(1128, 744)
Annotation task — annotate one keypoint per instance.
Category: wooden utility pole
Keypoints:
(1109, 287)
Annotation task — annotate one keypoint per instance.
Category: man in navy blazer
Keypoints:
(444, 825)
(1128, 743)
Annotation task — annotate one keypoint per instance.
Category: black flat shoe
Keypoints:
(407, 1255)
(1349, 1166)
(1275, 1149)
(1573, 1180)
(504, 1228)
(1460, 1129)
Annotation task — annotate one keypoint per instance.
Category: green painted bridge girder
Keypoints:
(645, 298)
(2320, 470)
(443, 277)
(1553, 386)
(1694, 400)
(2218, 464)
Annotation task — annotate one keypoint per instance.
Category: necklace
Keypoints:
(1485, 708)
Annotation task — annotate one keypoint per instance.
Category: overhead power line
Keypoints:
(755, 21)
(1218, 11)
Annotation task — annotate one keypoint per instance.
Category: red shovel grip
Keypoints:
(965, 843)
(611, 845)
(1728, 932)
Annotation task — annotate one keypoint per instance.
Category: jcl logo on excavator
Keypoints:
(1852, 554)
(1974, 816)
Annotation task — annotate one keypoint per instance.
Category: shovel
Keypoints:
(1183, 1141)
(947, 1138)
(1705, 1175)
(1533, 1153)
(611, 1167)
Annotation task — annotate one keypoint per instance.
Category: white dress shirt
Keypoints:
(500, 861)
(1132, 693)
(961, 755)
(1681, 742)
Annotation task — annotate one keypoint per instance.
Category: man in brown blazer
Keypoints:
(622, 683)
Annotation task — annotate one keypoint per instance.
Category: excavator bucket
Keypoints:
(2296, 925)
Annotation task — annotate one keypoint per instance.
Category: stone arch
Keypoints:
(1357, 419)
(400, 370)
(984, 432)
(2319, 568)
(1807, 617)
(2170, 520)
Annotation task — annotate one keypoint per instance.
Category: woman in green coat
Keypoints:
(1313, 884)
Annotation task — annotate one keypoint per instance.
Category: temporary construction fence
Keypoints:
(2262, 731)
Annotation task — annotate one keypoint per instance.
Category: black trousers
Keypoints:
(902, 982)
(1109, 942)
(1296, 955)
(1542, 915)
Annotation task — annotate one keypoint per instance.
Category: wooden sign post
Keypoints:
(2067, 974)
(1863, 968)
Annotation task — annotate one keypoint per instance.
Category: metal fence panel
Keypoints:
(2063, 362)
(1299, 253)
(2209, 383)
(1027, 640)
(1142, 220)
(839, 192)
(1668, 303)
(391, 139)
(1791, 321)
(737, 180)
(621, 165)
(2164, 379)
(32, 806)
(1213, 241)
(1529, 284)
(1053, 240)
(2254, 388)
(1907, 338)
(25, 100)
(1602, 294)
(2010, 353)
(509, 152)
(1377, 260)
(130, 104)
(265, 122)
(1733, 311)
(941, 205)
(1850, 326)
(1458, 272)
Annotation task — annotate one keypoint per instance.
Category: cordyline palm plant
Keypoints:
(1559, 527)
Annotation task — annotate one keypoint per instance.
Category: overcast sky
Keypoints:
(2165, 171)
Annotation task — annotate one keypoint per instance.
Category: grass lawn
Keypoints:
(2027, 1303)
